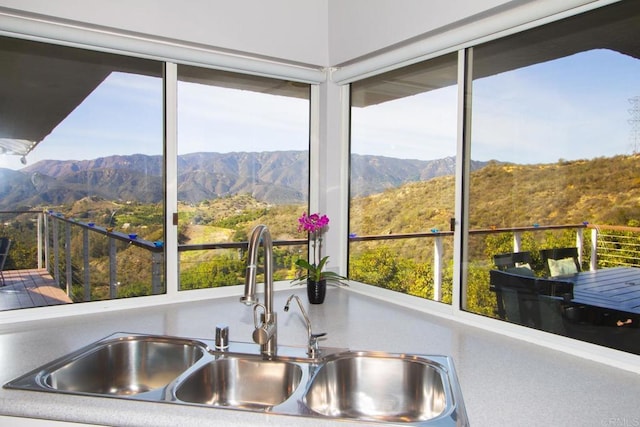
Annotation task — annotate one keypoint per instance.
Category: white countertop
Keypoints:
(505, 381)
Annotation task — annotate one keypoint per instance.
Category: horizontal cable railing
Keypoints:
(617, 245)
(58, 231)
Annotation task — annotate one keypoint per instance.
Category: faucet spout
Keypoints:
(312, 348)
(302, 310)
(265, 332)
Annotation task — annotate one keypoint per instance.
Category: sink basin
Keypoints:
(378, 387)
(410, 390)
(241, 383)
(122, 366)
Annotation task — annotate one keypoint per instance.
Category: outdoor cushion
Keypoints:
(562, 267)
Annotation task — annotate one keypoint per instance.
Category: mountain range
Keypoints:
(271, 177)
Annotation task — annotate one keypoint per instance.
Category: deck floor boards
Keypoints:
(30, 288)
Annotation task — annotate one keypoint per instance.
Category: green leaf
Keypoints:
(302, 263)
(323, 261)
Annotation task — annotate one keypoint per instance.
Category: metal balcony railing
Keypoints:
(57, 243)
(608, 246)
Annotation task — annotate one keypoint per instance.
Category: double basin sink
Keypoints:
(342, 384)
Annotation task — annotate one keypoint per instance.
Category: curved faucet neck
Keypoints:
(265, 332)
(259, 235)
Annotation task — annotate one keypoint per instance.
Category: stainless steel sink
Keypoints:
(119, 366)
(379, 387)
(412, 390)
(241, 382)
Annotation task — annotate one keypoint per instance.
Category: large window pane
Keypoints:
(97, 168)
(551, 115)
(243, 146)
(403, 146)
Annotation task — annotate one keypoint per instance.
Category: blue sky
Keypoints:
(575, 107)
(572, 108)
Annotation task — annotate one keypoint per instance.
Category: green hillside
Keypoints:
(600, 191)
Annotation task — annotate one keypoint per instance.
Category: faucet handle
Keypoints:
(265, 325)
(259, 318)
(222, 337)
(314, 349)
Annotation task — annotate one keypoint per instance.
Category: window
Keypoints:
(553, 123)
(95, 120)
(94, 124)
(553, 164)
(403, 147)
(243, 160)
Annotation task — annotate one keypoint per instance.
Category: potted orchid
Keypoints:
(312, 272)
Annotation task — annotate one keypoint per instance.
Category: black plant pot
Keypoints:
(316, 291)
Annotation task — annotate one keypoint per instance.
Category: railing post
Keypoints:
(157, 260)
(580, 243)
(517, 241)
(67, 258)
(593, 264)
(85, 258)
(437, 268)
(47, 264)
(56, 253)
(39, 237)
(113, 284)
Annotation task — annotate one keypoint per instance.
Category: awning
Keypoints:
(41, 84)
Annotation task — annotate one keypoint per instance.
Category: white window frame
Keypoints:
(327, 133)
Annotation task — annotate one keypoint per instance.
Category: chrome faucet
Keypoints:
(265, 332)
(313, 350)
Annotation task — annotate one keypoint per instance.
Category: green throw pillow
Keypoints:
(562, 267)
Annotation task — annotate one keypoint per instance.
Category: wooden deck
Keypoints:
(30, 288)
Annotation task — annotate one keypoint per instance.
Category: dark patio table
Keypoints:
(616, 288)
